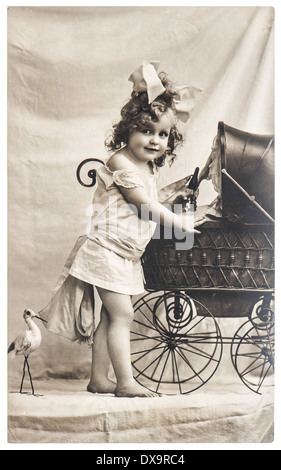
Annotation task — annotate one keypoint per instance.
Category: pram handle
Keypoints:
(91, 173)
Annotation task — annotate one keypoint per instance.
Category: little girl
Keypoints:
(125, 212)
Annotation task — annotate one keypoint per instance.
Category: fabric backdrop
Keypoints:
(68, 70)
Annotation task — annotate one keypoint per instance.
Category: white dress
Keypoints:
(108, 256)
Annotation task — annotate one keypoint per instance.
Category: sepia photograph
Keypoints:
(141, 223)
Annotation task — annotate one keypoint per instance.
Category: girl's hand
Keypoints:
(185, 235)
(199, 221)
(181, 198)
(188, 223)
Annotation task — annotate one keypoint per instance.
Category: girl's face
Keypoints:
(150, 141)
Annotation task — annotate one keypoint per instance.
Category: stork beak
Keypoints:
(39, 318)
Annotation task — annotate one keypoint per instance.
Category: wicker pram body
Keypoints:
(226, 261)
(222, 257)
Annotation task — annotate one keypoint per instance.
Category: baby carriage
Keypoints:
(176, 340)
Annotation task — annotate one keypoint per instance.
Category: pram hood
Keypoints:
(241, 167)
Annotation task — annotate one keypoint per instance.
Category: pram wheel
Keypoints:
(176, 344)
(252, 353)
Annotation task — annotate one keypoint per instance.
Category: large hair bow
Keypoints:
(145, 78)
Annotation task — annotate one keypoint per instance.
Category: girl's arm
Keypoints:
(145, 206)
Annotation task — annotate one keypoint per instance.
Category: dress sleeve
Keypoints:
(127, 179)
(124, 178)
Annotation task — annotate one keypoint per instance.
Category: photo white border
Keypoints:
(276, 445)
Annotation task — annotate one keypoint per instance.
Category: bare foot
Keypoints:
(101, 386)
(133, 389)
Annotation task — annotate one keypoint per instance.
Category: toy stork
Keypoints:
(26, 343)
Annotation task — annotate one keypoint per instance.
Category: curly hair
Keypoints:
(137, 112)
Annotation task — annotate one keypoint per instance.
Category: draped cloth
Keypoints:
(71, 309)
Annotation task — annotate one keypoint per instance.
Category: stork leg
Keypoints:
(23, 374)
(30, 378)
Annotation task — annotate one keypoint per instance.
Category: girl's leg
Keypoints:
(120, 315)
(99, 381)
